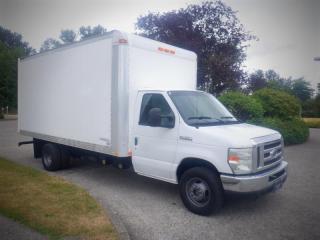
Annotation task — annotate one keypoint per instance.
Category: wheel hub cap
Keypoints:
(198, 191)
(47, 160)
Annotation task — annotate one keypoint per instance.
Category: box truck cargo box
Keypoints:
(132, 101)
(83, 94)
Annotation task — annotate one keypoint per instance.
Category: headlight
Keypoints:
(240, 160)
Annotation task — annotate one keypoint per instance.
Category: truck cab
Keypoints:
(189, 138)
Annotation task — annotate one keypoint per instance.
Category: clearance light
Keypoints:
(166, 50)
(122, 41)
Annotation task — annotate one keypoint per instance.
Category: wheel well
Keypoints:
(37, 147)
(188, 163)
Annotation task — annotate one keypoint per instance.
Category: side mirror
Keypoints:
(155, 119)
(168, 121)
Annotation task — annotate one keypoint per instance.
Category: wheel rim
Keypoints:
(198, 191)
(47, 160)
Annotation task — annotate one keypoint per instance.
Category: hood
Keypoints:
(233, 135)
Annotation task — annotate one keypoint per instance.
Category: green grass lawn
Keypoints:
(312, 122)
(51, 205)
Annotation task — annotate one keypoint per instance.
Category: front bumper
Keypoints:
(271, 180)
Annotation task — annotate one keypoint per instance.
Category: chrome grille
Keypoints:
(269, 154)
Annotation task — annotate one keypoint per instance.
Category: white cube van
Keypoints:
(133, 102)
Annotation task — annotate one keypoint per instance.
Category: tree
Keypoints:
(87, 32)
(50, 43)
(12, 47)
(67, 36)
(302, 89)
(8, 75)
(311, 107)
(212, 30)
(257, 81)
(14, 40)
(275, 81)
(272, 75)
(298, 87)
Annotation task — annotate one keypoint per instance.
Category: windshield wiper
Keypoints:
(230, 122)
(226, 117)
(200, 118)
(206, 118)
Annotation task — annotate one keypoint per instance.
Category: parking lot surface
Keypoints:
(152, 209)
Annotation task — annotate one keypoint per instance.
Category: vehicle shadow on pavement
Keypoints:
(120, 178)
(129, 181)
(235, 203)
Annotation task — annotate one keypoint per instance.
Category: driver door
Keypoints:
(155, 144)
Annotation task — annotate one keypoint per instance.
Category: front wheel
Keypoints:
(201, 191)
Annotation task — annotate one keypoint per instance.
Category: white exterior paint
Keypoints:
(85, 92)
(156, 152)
(212, 143)
(151, 69)
(67, 93)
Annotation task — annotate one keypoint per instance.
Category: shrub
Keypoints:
(1, 115)
(311, 108)
(242, 106)
(312, 122)
(278, 103)
(294, 131)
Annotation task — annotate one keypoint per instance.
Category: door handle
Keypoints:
(135, 141)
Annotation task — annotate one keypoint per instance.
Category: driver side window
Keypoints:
(152, 102)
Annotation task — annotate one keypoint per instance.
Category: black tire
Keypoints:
(65, 158)
(201, 191)
(51, 157)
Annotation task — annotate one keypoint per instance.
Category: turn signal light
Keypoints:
(234, 158)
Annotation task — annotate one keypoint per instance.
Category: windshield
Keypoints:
(201, 109)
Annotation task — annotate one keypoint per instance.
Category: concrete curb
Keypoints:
(117, 223)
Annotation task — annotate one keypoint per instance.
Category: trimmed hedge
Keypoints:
(243, 107)
(278, 103)
(293, 131)
(269, 108)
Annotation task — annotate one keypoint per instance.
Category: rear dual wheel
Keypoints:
(55, 157)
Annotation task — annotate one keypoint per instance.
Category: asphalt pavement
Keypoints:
(11, 230)
(152, 210)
